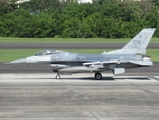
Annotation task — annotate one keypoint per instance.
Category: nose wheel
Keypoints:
(58, 76)
(98, 76)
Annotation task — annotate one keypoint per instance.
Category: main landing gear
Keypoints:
(98, 76)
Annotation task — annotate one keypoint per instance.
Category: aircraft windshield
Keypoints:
(48, 52)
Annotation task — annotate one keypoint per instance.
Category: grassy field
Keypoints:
(69, 40)
(7, 55)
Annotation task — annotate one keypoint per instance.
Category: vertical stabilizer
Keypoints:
(140, 42)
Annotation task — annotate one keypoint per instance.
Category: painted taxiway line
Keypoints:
(154, 78)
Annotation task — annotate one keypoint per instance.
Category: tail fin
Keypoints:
(140, 42)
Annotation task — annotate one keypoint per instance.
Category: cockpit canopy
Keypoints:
(48, 52)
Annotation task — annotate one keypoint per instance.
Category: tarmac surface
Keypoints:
(31, 92)
(4, 45)
(78, 97)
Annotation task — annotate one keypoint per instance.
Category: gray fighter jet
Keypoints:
(132, 55)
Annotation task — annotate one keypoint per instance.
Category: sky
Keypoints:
(85, 1)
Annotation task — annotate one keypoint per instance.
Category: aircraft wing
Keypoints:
(94, 66)
(111, 65)
(143, 63)
(103, 62)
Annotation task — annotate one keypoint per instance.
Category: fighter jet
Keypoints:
(132, 55)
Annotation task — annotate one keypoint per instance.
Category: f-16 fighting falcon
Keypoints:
(132, 55)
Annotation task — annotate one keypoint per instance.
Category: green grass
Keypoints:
(69, 40)
(7, 55)
(154, 53)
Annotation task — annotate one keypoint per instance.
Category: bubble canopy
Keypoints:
(48, 52)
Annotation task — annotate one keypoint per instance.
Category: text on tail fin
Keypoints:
(141, 40)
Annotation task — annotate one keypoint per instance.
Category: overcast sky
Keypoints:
(84, 1)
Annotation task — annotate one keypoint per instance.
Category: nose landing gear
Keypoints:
(58, 75)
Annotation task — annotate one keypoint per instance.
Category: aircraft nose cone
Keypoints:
(23, 60)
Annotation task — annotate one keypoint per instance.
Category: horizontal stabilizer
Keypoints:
(143, 63)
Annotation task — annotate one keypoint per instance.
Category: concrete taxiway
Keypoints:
(78, 97)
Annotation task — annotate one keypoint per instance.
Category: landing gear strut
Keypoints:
(98, 76)
(58, 75)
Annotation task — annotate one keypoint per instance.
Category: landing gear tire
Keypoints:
(98, 76)
(58, 76)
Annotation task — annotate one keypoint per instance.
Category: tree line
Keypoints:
(69, 19)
